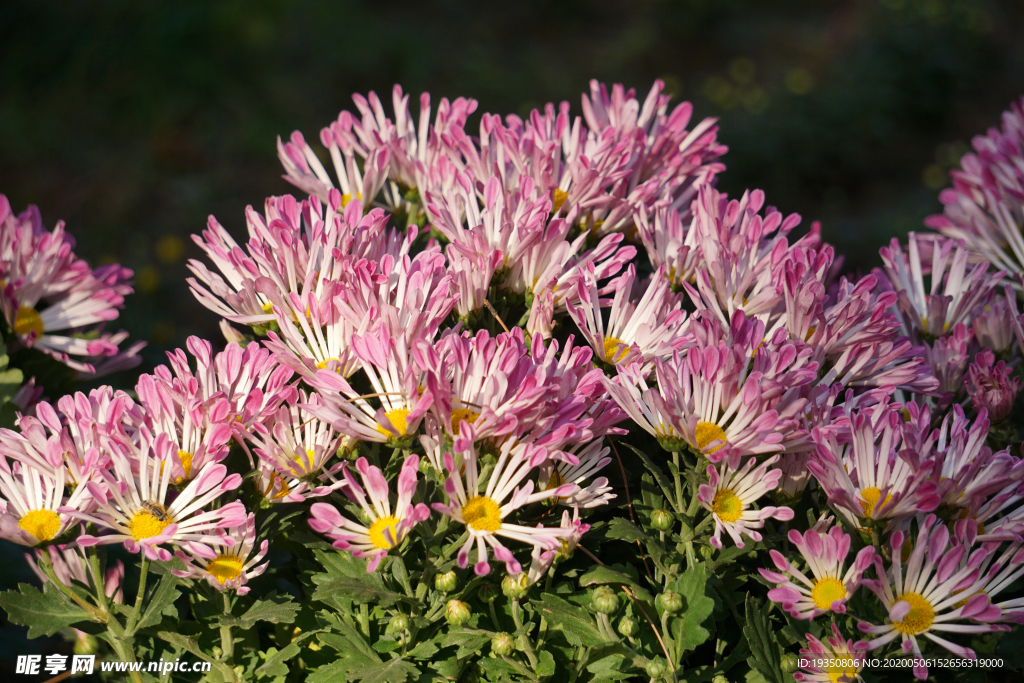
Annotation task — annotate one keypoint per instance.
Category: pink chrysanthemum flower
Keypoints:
(48, 291)
(484, 512)
(670, 244)
(297, 451)
(991, 386)
(541, 559)
(670, 161)
(795, 475)
(490, 382)
(132, 501)
(992, 323)
(388, 526)
(941, 587)
(985, 206)
(833, 661)
(864, 476)
(386, 362)
(825, 554)
(948, 358)
(231, 568)
(952, 293)
(637, 330)
(578, 466)
(472, 265)
(729, 494)
(33, 508)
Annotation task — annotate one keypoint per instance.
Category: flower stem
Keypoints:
(133, 620)
(227, 640)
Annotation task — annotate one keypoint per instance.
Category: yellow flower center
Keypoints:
(399, 419)
(559, 199)
(460, 414)
(28, 320)
(707, 433)
(614, 349)
(268, 308)
(482, 513)
(869, 503)
(840, 673)
(43, 524)
(826, 591)
(225, 568)
(347, 197)
(322, 365)
(919, 618)
(300, 465)
(186, 464)
(727, 505)
(149, 521)
(379, 529)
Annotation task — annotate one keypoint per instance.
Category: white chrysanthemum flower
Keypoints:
(579, 468)
(730, 493)
(233, 566)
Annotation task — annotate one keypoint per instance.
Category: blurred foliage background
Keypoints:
(135, 121)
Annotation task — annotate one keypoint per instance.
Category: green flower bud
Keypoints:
(604, 600)
(512, 587)
(628, 627)
(398, 623)
(85, 644)
(457, 613)
(239, 671)
(446, 582)
(502, 644)
(217, 652)
(488, 593)
(670, 602)
(720, 679)
(656, 668)
(790, 663)
(662, 520)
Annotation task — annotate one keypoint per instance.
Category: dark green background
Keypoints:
(133, 121)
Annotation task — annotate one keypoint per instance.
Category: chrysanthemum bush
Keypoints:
(532, 400)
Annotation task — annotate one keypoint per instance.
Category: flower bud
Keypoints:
(85, 644)
(628, 627)
(502, 644)
(662, 520)
(217, 652)
(720, 679)
(991, 386)
(789, 663)
(670, 602)
(604, 600)
(446, 582)
(398, 623)
(488, 593)
(456, 613)
(656, 668)
(512, 587)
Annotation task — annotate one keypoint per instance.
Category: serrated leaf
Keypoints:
(274, 609)
(574, 622)
(186, 643)
(424, 650)
(44, 612)
(623, 530)
(545, 664)
(385, 646)
(467, 640)
(698, 605)
(160, 600)
(346, 578)
(666, 486)
(765, 653)
(393, 671)
(605, 574)
(275, 664)
(348, 641)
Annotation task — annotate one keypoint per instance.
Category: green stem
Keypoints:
(125, 653)
(494, 616)
(227, 640)
(517, 617)
(99, 615)
(133, 620)
(676, 473)
(97, 578)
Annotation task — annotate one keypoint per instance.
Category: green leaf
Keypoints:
(574, 622)
(468, 640)
(275, 664)
(393, 671)
(424, 650)
(161, 602)
(765, 653)
(385, 646)
(686, 628)
(623, 530)
(274, 609)
(545, 663)
(344, 638)
(44, 612)
(666, 486)
(616, 573)
(346, 577)
(186, 643)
